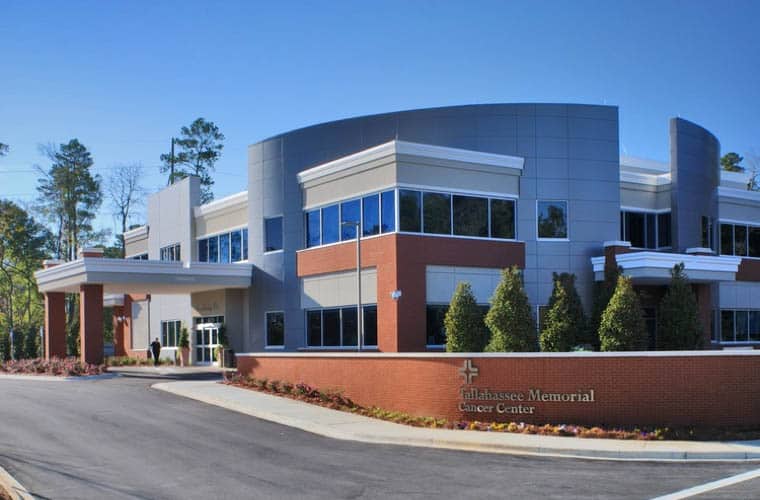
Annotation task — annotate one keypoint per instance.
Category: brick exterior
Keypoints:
(698, 390)
(55, 325)
(401, 262)
(749, 270)
(91, 323)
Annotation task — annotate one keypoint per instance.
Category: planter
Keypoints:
(184, 356)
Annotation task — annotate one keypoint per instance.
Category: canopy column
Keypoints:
(91, 323)
(55, 325)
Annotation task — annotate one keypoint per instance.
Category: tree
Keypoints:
(510, 318)
(5, 347)
(678, 325)
(200, 146)
(603, 291)
(23, 244)
(565, 323)
(3, 149)
(465, 330)
(126, 195)
(31, 343)
(730, 162)
(69, 198)
(622, 327)
(753, 162)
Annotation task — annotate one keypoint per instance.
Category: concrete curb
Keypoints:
(345, 426)
(53, 378)
(13, 487)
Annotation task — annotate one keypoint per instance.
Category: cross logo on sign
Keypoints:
(468, 371)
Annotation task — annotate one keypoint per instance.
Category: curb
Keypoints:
(54, 378)
(445, 442)
(13, 487)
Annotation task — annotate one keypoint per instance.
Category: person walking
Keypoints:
(155, 348)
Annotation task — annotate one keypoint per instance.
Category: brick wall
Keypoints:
(704, 389)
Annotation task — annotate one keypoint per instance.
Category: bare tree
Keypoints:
(752, 159)
(125, 195)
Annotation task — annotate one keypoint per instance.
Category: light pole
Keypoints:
(359, 318)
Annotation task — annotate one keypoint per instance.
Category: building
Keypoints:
(443, 195)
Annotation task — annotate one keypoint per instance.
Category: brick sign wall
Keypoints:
(701, 389)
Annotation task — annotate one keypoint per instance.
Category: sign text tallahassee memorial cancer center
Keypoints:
(484, 400)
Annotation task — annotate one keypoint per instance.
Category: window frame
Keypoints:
(243, 230)
(567, 220)
(266, 233)
(177, 332)
(341, 346)
(267, 345)
(657, 214)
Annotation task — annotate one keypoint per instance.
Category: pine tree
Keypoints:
(678, 325)
(510, 318)
(565, 323)
(622, 327)
(603, 291)
(465, 330)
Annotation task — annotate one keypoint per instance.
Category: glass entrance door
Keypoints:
(206, 342)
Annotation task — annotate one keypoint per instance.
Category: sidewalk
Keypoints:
(342, 425)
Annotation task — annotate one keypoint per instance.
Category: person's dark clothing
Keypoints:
(155, 347)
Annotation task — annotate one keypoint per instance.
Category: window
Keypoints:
(370, 215)
(330, 224)
(727, 239)
(740, 240)
(273, 234)
(436, 331)
(436, 211)
(337, 327)
(663, 230)
(552, 219)
(388, 211)
(142, 256)
(502, 219)
(275, 329)
(313, 237)
(410, 204)
(739, 325)
(470, 216)
(707, 232)
(754, 242)
(645, 229)
(349, 212)
(170, 253)
(170, 332)
(227, 247)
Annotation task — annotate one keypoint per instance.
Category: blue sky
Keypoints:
(123, 77)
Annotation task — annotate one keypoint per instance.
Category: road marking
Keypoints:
(714, 485)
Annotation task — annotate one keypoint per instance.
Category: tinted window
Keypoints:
(275, 329)
(388, 201)
(634, 229)
(273, 234)
(314, 328)
(312, 228)
(741, 322)
(436, 213)
(349, 326)
(754, 242)
(663, 230)
(754, 326)
(740, 241)
(727, 326)
(503, 219)
(651, 234)
(552, 219)
(224, 247)
(349, 212)
(409, 211)
(236, 246)
(470, 216)
(370, 215)
(213, 249)
(203, 250)
(727, 239)
(330, 224)
(331, 327)
(370, 325)
(436, 333)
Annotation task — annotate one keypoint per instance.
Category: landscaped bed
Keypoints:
(132, 361)
(59, 367)
(336, 401)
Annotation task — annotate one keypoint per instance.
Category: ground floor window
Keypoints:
(338, 327)
(739, 325)
(275, 329)
(435, 331)
(170, 331)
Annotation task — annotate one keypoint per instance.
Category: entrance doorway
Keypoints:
(206, 342)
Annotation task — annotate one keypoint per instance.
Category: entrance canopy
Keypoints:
(653, 268)
(125, 276)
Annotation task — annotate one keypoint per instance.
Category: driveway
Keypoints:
(118, 438)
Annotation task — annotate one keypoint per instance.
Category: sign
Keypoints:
(486, 400)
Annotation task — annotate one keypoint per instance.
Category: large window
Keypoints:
(142, 256)
(337, 327)
(170, 332)
(410, 206)
(273, 234)
(740, 239)
(225, 247)
(349, 214)
(470, 216)
(370, 215)
(388, 211)
(502, 219)
(436, 210)
(330, 224)
(739, 325)
(552, 219)
(275, 325)
(171, 253)
(313, 225)
(435, 329)
(645, 229)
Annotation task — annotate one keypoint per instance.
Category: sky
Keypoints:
(124, 76)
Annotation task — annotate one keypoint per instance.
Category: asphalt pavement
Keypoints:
(118, 438)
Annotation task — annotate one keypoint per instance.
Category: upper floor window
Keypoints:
(376, 214)
(707, 232)
(226, 247)
(275, 325)
(552, 219)
(645, 229)
(171, 252)
(142, 256)
(740, 239)
(273, 234)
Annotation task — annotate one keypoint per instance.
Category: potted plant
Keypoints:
(184, 347)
